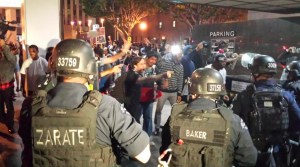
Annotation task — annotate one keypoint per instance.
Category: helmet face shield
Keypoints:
(206, 81)
(73, 56)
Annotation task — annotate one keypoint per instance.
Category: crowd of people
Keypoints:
(64, 113)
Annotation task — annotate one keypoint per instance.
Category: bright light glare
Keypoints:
(143, 26)
(175, 49)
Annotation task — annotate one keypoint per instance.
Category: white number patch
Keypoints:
(214, 87)
(68, 62)
(272, 65)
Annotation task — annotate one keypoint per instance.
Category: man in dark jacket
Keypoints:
(198, 55)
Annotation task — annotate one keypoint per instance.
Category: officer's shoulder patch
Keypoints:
(123, 109)
(243, 125)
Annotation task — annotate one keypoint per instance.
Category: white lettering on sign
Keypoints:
(215, 88)
(60, 138)
(67, 62)
(272, 65)
(195, 134)
(222, 34)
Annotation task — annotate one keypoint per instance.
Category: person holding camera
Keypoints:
(7, 66)
(198, 56)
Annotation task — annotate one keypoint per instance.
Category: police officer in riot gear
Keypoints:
(268, 111)
(72, 126)
(293, 79)
(204, 132)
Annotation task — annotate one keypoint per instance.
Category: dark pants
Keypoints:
(147, 108)
(134, 110)
(6, 99)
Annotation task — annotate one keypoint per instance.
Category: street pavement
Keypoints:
(153, 162)
(11, 144)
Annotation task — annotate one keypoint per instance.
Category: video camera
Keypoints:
(205, 44)
(6, 26)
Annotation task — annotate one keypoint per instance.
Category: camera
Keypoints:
(205, 44)
(5, 26)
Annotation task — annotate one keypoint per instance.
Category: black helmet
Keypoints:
(263, 64)
(74, 57)
(207, 81)
(294, 67)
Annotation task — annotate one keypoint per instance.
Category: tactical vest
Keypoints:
(200, 138)
(269, 114)
(67, 138)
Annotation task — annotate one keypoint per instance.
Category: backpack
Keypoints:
(67, 137)
(118, 91)
(269, 113)
(200, 138)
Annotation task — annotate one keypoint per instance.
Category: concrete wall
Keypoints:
(41, 23)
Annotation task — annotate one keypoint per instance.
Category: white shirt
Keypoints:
(35, 72)
(222, 72)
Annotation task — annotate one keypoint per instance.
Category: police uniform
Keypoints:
(242, 104)
(293, 82)
(113, 121)
(294, 87)
(204, 132)
(268, 111)
(240, 145)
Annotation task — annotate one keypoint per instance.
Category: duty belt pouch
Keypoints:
(179, 155)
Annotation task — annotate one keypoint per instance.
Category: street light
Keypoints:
(79, 24)
(143, 26)
(89, 24)
(72, 24)
(101, 20)
(116, 31)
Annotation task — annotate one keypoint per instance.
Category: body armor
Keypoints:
(269, 116)
(67, 138)
(200, 138)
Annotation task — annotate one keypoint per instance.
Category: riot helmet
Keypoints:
(294, 69)
(206, 82)
(74, 57)
(263, 64)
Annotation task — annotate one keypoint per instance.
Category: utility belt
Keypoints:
(98, 156)
(263, 143)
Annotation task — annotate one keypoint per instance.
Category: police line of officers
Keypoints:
(71, 126)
